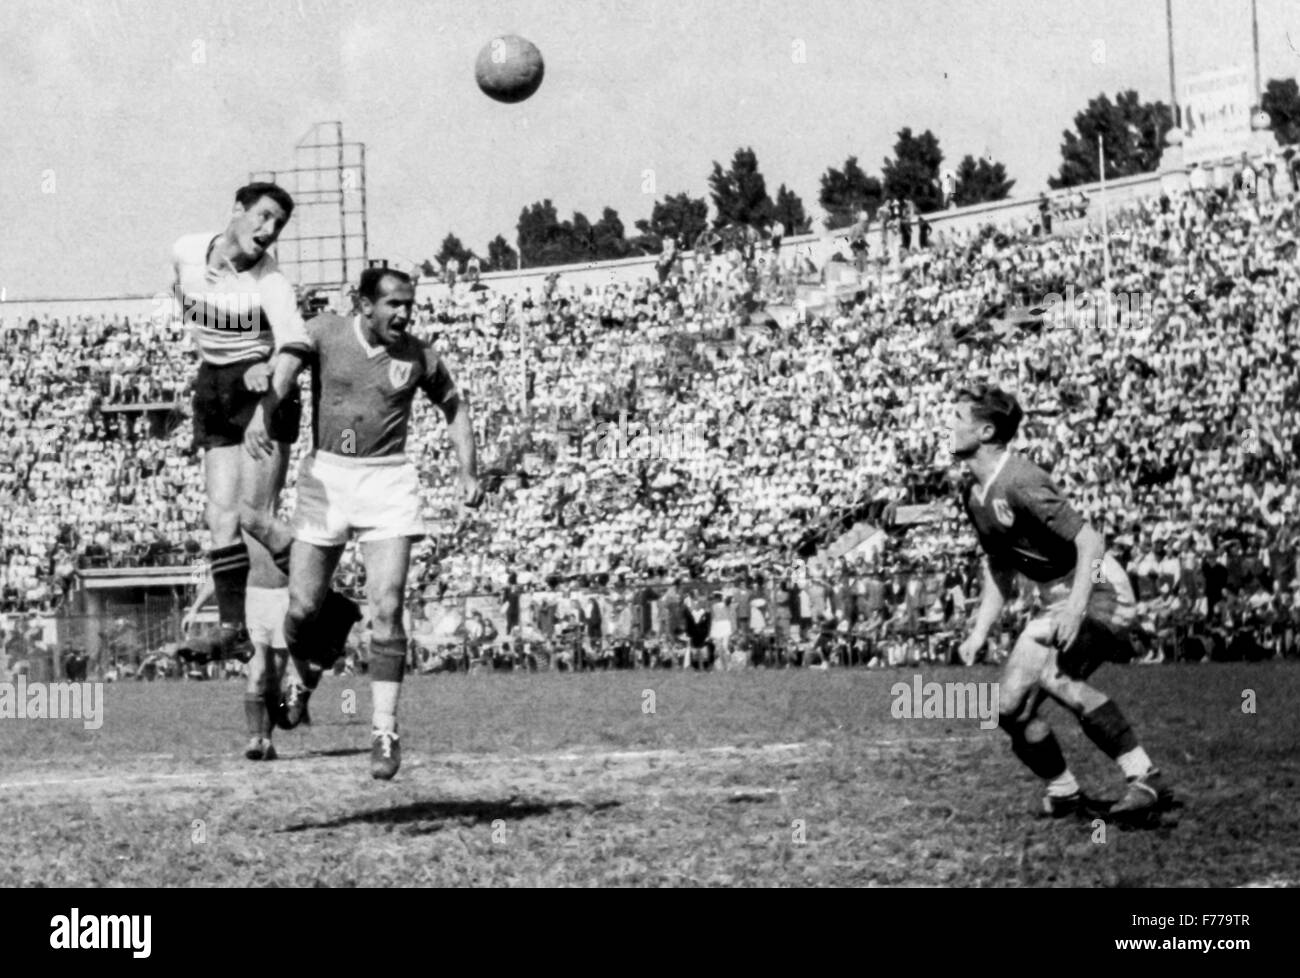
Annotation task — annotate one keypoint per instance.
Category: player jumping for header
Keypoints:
(1024, 525)
(365, 372)
(242, 310)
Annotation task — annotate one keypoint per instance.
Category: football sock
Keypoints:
(256, 715)
(385, 696)
(229, 567)
(387, 663)
(298, 636)
(310, 674)
(1042, 756)
(1106, 727)
(1135, 763)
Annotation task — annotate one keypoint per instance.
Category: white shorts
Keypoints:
(1111, 605)
(264, 611)
(376, 498)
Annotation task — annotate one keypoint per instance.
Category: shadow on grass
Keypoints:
(339, 752)
(472, 812)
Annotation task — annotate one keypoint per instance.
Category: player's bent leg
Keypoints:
(386, 562)
(257, 518)
(1101, 719)
(1032, 741)
(260, 482)
(275, 534)
(1021, 671)
(311, 568)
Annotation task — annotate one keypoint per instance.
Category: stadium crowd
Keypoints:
(1171, 423)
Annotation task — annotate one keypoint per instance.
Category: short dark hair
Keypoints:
(371, 277)
(994, 406)
(250, 194)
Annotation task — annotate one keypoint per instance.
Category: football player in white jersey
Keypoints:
(242, 311)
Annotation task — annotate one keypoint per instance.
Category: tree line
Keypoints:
(1132, 131)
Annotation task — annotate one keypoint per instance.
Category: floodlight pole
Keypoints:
(1254, 33)
(1173, 88)
(1105, 213)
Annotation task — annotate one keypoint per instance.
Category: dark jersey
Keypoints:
(361, 394)
(1024, 524)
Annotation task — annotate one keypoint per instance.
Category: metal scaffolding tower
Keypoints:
(325, 245)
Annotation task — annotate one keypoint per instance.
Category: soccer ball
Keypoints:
(509, 68)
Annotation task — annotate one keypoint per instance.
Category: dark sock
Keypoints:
(340, 610)
(1107, 728)
(298, 637)
(271, 703)
(387, 659)
(311, 673)
(257, 715)
(1043, 757)
(230, 581)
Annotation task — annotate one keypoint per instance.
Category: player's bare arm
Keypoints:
(999, 587)
(1091, 548)
(460, 429)
(282, 377)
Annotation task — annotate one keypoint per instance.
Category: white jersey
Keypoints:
(235, 316)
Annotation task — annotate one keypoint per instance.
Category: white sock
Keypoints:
(1062, 786)
(384, 694)
(1135, 763)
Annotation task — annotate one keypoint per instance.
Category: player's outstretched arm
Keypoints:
(460, 428)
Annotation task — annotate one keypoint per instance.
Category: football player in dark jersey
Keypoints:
(1025, 526)
(359, 482)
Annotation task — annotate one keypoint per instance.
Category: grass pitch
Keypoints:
(755, 778)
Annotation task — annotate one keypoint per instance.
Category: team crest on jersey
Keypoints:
(1003, 512)
(399, 372)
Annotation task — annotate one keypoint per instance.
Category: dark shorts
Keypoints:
(1095, 646)
(223, 406)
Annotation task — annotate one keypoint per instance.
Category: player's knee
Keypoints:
(223, 521)
(1036, 636)
(1060, 688)
(1012, 723)
(254, 519)
(304, 607)
(1036, 731)
(386, 612)
(1014, 704)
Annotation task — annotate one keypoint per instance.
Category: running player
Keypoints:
(365, 372)
(1024, 525)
